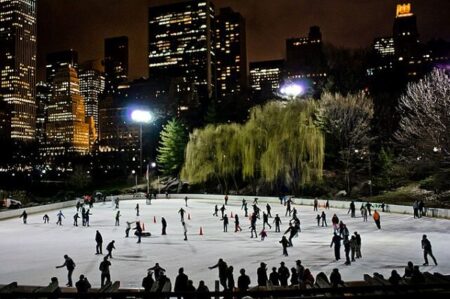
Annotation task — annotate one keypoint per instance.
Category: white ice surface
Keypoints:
(29, 253)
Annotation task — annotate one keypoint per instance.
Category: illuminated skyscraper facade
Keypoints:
(43, 98)
(384, 46)
(181, 45)
(18, 66)
(68, 128)
(265, 78)
(60, 59)
(231, 51)
(116, 63)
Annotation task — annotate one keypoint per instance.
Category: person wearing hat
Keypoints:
(262, 275)
(426, 246)
(283, 274)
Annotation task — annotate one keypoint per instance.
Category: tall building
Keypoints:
(67, 128)
(305, 57)
(181, 45)
(60, 59)
(43, 98)
(92, 85)
(406, 36)
(384, 46)
(116, 63)
(266, 78)
(18, 66)
(231, 51)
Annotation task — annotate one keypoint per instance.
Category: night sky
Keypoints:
(83, 24)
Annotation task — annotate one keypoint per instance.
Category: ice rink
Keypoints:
(29, 253)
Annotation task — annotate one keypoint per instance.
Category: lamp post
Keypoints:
(141, 117)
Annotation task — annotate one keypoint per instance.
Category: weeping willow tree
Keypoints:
(279, 143)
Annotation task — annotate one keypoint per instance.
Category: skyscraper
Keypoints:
(60, 59)
(18, 66)
(92, 85)
(67, 128)
(406, 36)
(181, 45)
(384, 46)
(116, 63)
(43, 98)
(231, 51)
(265, 79)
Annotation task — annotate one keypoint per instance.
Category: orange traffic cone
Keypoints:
(232, 215)
(201, 231)
(189, 216)
(154, 219)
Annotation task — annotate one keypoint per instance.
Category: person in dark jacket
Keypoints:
(202, 291)
(323, 216)
(157, 269)
(285, 243)
(417, 276)
(99, 241)
(164, 226)
(243, 281)
(426, 246)
(148, 281)
(262, 275)
(110, 248)
(138, 231)
(277, 222)
(408, 270)
(230, 278)
(24, 216)
(395, 278)
(70, 265)
(335, 278)
(83, 285)
(225, 223)
(181, 281)
(223, 269)
(283, 274)
(274, 277)
(347, 251)
(294, 277)
(266, 221)
(104, 270)
(337, 246)
(268, 208)
(237, 227)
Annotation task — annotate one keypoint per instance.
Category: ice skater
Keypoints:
(46, 218)
(364, 213)
(225, 223)
(358, 245)
(185, 201)
(347, 251)
(110, 248)
(78, 206)
(253, 228)
(184, 230)
(223, 270)
(138, 231)
(284, 243)
(60, 216)
(255, 201)
(216, 210)
(116, 201)
(288, 208)
(24, 216)
(164, 226)
(369, 207)
(377, 218)
(237, 227)
(336, 240)
(335, 222)
(245, 210)
(353, 246)
(70, 265)
(266, 221)
(292, 230)
(222, 210)
(318, 219)
(323, 216)
(86, 217)
(104, 270)
(277, 221)
(182, 212)
(327, 205)
(158, 270)
(226, 199)
(263, 234)
(117, 218)
(137, 210)
(75, 219)
(426, 246)
(352, 209)
(127, 230)
(268, 208)
(99, 242)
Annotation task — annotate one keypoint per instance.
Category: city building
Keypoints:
(116, 63)
(43, 98)
(231, 51)
(68, 129)
(305, 58)
(18, 66)
(384, 46)
(60, 59)
(92, 85)
(265, 79)
(405, 34)
(181, 46)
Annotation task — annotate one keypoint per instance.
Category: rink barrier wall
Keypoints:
(340, 204)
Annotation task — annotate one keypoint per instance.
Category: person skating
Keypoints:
(327, 205)
(237, 227)
(323, 216)
(116, 201)
(344, 231)
(426, 246)
(245, 210)
(288, 208)
(216, 210)
(369, 207)
(75, 219)
(335, 278)
(230, 278)
(222, 210)
(223, 268)
(253, 229)
(316, 204)
(255, 201)
(138, 231)
(292, 230)
(137, 210)
(358, 245)
(104, 271)
(99, 241)
(416, 209)
(244, 203)
(46, 218)
(285, 244)
(117, 218)
(263, 234)
(268, 208)
(78, 205)
(182, 212)
(277, 221)
(421, 208)
(226, 199)
(318, 219)
(185, 201)
(266, 221)
(335, 222)
(110, 248)
(164, 226)
(86, 217)
(148, 281)
(376, 218)
(364, 213)
(127, 230)
(262, 275)
(336, 240)
(83, 285)
(353, 247)
(294, 213)
(283, 274)
(225, 223)
(243, 281)
(181, 281)
(24, 216)
(347, 251)
(83, 215)
(274, 277)
(184, 230)
(352, 209)
(70, 265)
(60, 216)
(158, 270)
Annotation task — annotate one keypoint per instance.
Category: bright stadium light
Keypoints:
(141, 116)
(291, 90)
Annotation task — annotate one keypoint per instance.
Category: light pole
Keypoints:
(141, 117)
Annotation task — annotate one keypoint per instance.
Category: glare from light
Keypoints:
(292, 90)
(153, 165)
(141, 116)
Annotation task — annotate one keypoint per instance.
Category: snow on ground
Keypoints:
(29, 253)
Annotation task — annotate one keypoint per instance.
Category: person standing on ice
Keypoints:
(184, 230)
(117, 218)
(75, 219)
(316, 204)
(347, 251)
(99, 241)
(185, 201)
(104, 270)
(78, 206)
(222, 210)
(327, 205)
(364, 213)
(246, 210)
(86, 217)
(216, 210)
(138, 231)
(256, 210)
(83, 216)
(60, 215)
(358, 245)
(277, 221)
(263, 234)
(318, 219)
(46, 218)
(324, 219)
(70, 265)
(223, 269)
(368, 207)
(225, 223)
(353, 246)
(262, 275)
(164, 226)
(24, 216)
(236, 224)
(244, 203)
(294, 213)
(127, 230)
(266, 221)
(284, 243)
(253, 228)
(336, 240)
(182, 212)
(288, 208)
(426, 246)
(352, 209)
(335, 222)
(137, 210)
(110, 248)
(268, 208)
(226, 199)
(376, 218)
(158, 270)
